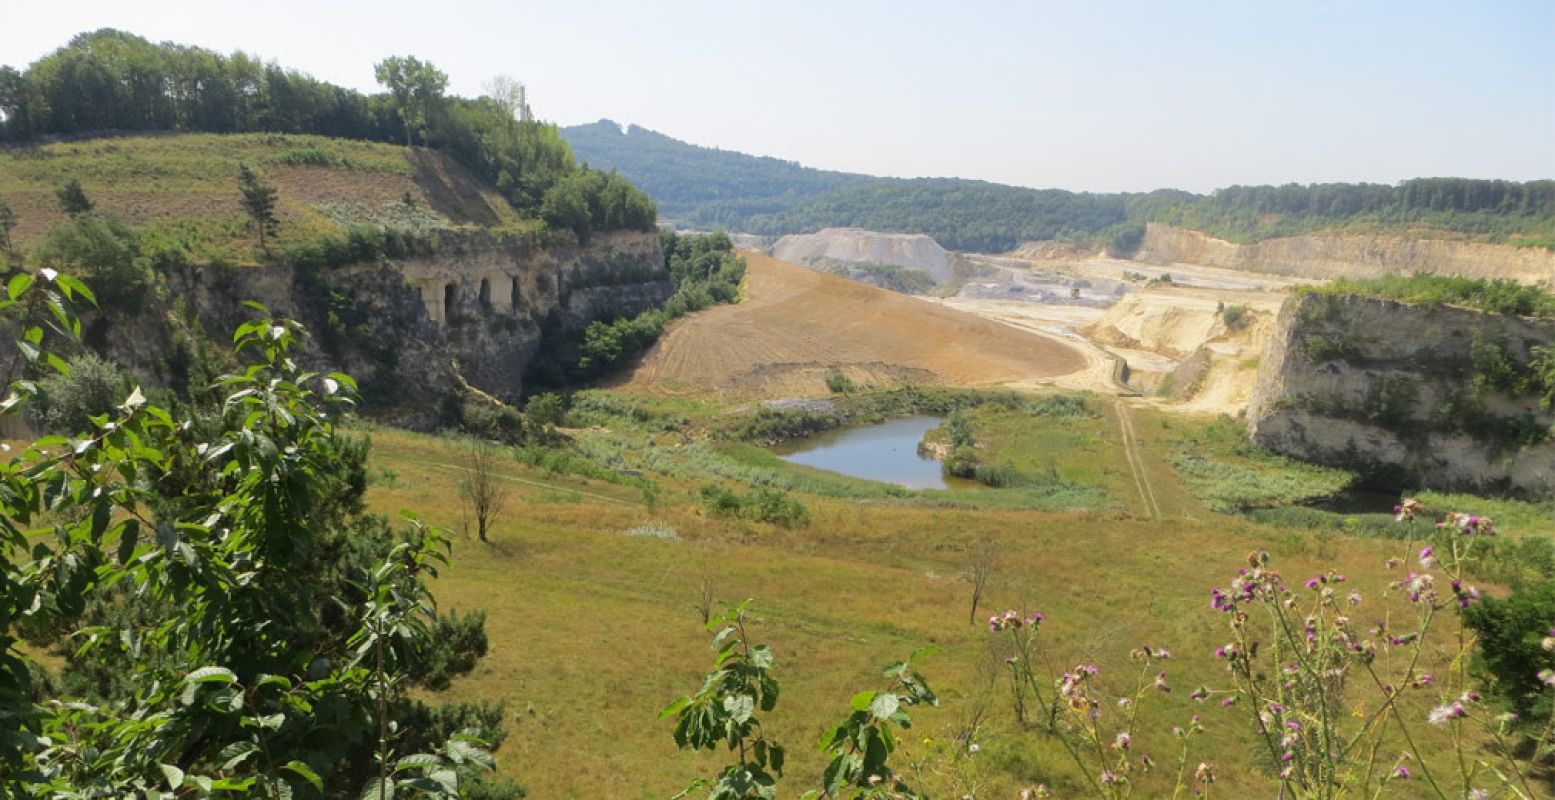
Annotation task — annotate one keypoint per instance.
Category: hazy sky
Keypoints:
(1080, 94)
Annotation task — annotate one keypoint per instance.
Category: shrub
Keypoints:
(93, 387)
(107, 253)
(765, 504)
(838, 383)
(1512, 633)
(1234, 316)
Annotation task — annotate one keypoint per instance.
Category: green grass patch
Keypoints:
(1228, 473)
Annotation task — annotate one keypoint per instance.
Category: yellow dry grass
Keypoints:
(593, 631)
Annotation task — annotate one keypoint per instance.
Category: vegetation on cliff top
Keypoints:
(109, 80)
(1495, 296)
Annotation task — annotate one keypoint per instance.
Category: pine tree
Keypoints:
(72, 198)
(259, 202)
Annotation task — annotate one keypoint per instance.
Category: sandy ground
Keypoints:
(1178, 350)
(796, 326)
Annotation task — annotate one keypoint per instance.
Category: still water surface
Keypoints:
(887, 452)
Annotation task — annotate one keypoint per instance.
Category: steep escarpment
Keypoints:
(414, 331)
(1354, 256)
(1418, 395)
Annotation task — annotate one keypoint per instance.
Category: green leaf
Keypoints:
(212, 675)
(174, 775)
(884, 705)
(374, 790)
(862, 700)
(305, 772)
(128, 536)
(417, 761)
(19, 284)
(740, 707)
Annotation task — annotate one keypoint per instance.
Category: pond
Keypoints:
(887, 452)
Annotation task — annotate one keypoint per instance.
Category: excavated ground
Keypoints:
(796, 326)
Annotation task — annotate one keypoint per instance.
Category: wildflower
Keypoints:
(1441, 714)
(1160, 682)
(1547, 677)
(973, 748)
(1205, 772)
(995, 624)
(1478, 794)
(1313, 583)
(1355, 598)
(1427, 557)
(1402, 772)
(1147, 762)
(1122, 741)
(1201, 693)
(1108, 778)
(1548, 642)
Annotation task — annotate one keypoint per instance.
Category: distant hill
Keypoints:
(701, 187)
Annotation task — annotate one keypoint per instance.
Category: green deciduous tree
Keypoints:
(417, 88)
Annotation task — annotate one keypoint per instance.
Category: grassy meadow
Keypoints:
(594, 630)
(182, 188)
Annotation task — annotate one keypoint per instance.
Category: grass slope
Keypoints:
(184, 186)
(593, 631)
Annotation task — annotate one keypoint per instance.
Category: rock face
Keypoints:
(1331, 256)
(1414, 396)
(857, 246)
(411, 331)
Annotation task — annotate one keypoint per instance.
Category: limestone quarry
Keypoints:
(1353, 256)
(1406, 393)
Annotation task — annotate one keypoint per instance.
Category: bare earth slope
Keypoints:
(796, 326)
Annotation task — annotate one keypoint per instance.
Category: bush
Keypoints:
(838, 383)
(765, 504)
(104, 251)
(1062, 405)
(1510, 652)
(93, 387)
(546, 409)
(1234, 316)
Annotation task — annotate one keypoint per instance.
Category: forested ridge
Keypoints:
(112, 81)
(704, 187)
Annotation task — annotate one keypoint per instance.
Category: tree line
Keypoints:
(110, 80)
(708, 188)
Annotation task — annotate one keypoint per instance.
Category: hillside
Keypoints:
(701, 186)
(796, 326)
(184, 186)
(715, 188)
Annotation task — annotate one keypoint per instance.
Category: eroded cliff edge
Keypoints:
(1438, 397)
(1350, 256)
(416, 332)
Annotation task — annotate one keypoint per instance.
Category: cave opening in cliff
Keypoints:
(450, 295)
(513, 295)
(485, 294)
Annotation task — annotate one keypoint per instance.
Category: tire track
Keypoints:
(1136, 464)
